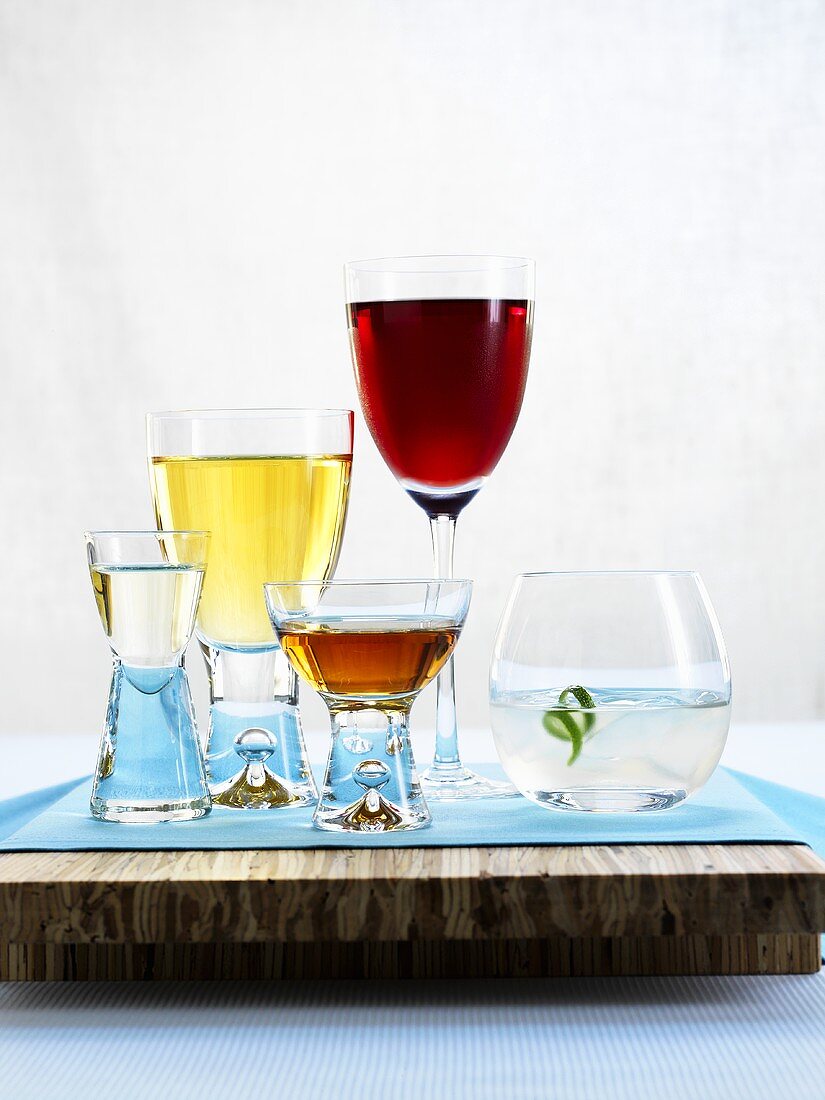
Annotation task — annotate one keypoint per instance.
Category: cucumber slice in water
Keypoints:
(567, 724)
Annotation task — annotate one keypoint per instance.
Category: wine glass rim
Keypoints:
(283, 413)
(368, 581)
(498, 263)
(611, 573)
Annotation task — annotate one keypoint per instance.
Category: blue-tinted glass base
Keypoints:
(370, 784)
(255, 753)
(256, 756)
(150, 764)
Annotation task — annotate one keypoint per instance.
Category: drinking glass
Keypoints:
(368, 648)
(441, 346)
(609, 691)
(272, 486)
(147, 586)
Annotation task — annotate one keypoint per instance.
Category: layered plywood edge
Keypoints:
(425, 912)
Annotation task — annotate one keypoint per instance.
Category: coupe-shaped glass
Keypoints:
(368, 648)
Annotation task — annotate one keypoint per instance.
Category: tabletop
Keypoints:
(587, 1037)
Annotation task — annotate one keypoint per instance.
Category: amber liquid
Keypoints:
(369, 664)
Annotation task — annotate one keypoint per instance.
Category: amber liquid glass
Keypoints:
(380, 663)
(368, 648)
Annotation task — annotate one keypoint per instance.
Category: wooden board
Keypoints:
(424, 912)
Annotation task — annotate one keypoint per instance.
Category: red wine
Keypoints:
(441, 383)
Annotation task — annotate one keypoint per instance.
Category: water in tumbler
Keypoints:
(641, 749)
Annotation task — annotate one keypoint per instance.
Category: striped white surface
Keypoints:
(671, 1038)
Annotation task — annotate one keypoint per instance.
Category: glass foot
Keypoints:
(255, 787)
(458, 783)
(148, 813)
(255, 754)
(609, 800)
(371, 814)
(375, 810)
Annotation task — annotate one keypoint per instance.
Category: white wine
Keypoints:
(147, 610)
(276, 518)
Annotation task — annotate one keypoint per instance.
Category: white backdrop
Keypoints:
(180, 183)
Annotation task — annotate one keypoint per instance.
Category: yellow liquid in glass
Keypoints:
(147, 611)
(271, 518)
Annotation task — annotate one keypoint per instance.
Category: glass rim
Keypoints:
(609, 573)
(146, 534)
(282, 413)
(495, 263)
(365, 582)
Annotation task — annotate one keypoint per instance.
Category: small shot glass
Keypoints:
(147, 586)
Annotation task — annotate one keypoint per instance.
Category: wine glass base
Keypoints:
(460, 784)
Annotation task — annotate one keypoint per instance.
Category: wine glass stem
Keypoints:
(442, 529)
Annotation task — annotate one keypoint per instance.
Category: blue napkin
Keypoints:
(805, 812)
(17, 812)
(730, 809)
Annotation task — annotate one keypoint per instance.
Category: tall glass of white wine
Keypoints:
(272, 486)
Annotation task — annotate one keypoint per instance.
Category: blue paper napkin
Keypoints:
(725, 811)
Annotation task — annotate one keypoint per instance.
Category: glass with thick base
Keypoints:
(147, 585)
(441, 346)
(271, 485)
(369, 648)
(609, 691)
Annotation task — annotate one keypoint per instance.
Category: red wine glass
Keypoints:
(441, 346)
